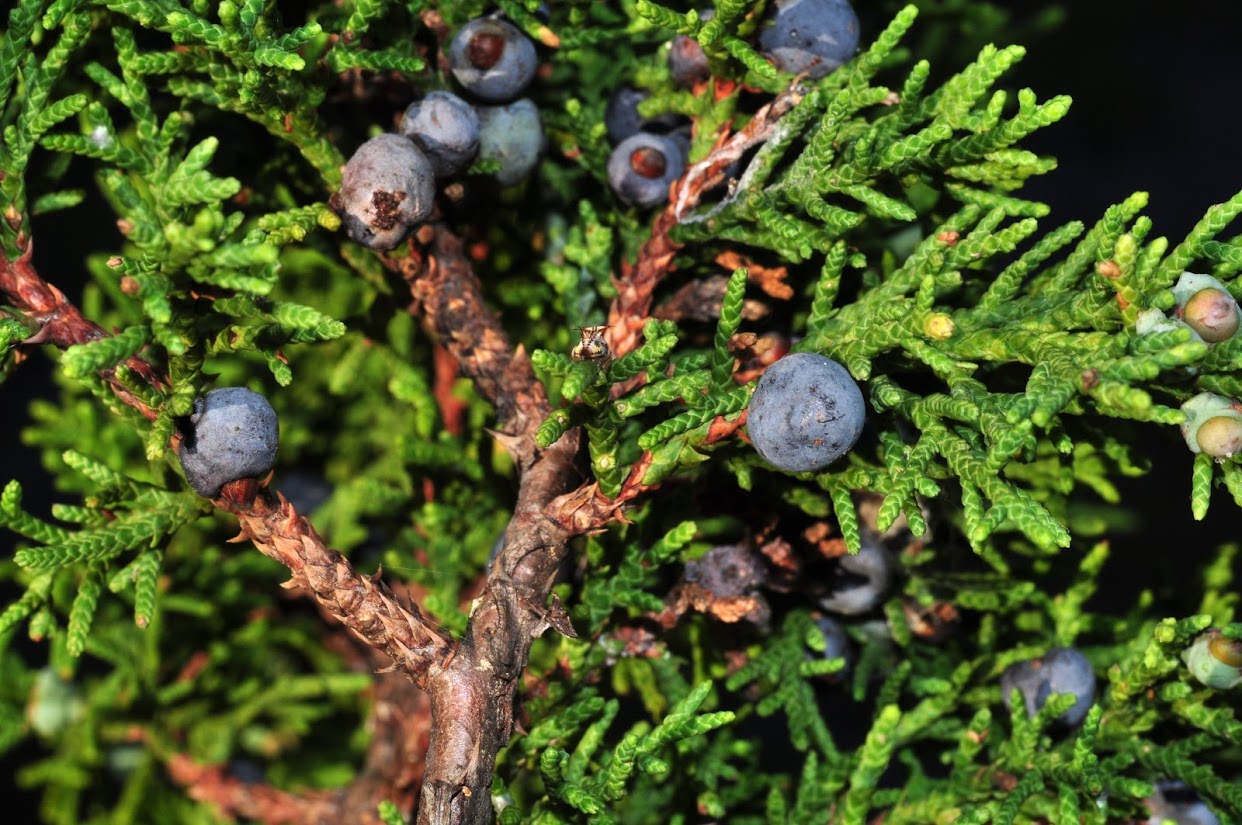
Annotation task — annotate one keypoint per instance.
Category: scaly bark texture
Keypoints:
(472, 693)
(471, 683)
(364, 604)
(61, 323)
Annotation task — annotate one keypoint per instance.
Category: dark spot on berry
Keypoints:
(485, 50)
(648, 162)
(387, 206)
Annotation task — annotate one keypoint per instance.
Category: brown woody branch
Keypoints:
(233, 797)
(632, 306)
(471, 685)
(363, 604)
(399, 721)
(61, 323)
(472, 695)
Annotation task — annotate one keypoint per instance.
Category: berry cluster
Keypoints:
(811, 37)
(388, 186)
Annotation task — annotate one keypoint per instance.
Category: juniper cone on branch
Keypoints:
(804, 379)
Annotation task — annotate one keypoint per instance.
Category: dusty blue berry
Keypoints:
(232, 434)
(643, 165)
(492, 59)
(446, 128)
(387, 187)
(1061, 670)
(513, 136)
(862, 579)
(806, 413)
(621, 117)
(1175, 801)
(687, 62)
(812, 36)
(836, 646)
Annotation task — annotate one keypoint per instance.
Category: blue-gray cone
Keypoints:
(232, 434)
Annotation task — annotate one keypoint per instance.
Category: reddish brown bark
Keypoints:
(470, 683)
(62, 324)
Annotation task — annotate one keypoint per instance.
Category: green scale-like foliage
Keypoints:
(881, 223)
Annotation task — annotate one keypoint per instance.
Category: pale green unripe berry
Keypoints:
(1213, 659)
(1205, 305)
(1221, 437)
(1213, 425)
(1213, 314)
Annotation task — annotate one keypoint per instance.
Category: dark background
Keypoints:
(1156, 91)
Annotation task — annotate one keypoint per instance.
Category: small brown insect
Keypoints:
(592, 347)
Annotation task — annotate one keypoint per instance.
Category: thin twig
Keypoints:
(61, 323)
(363, 604)
(632, 306)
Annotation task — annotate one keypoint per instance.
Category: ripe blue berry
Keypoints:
(387, 187)
(812, 36)
(492, 59)
(643, 165)
(863, 579)
(687, 62)
(836, 646)
(232, 434)
(1061, 670)
(513, 135)
(1174, 801)
(806, 413)
(446, 128)
(621, 117)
